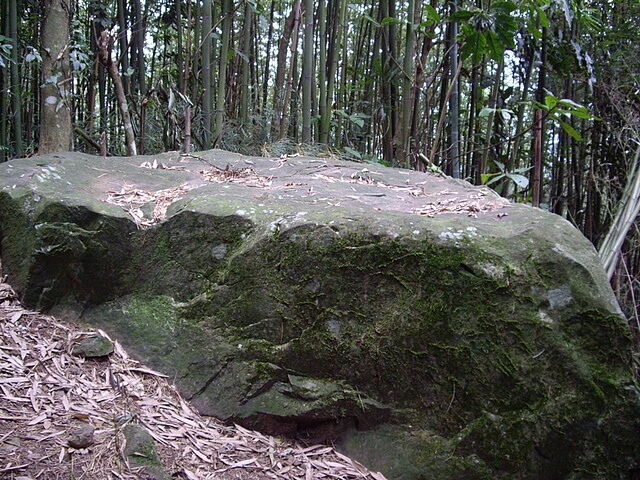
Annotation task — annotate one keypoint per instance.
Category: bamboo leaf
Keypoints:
(372, 20)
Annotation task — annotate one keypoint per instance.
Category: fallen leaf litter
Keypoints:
(48, 394)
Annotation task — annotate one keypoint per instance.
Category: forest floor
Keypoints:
(47, 393)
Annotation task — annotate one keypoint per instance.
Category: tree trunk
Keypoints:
(246, 60)
(104, 56)
(335, 38)
(407, 84)
(454, 100)
(538, 129)
(284, 113)
(514, 161)
(281, 67)
(56, 132)
(625, 216)
(323, 112)
(227, 25)
(267, 59)
(307, 71)
(488, 136)
(207, 121)
(123, 44)
(179, 45)
(138, 39)
(16, 94)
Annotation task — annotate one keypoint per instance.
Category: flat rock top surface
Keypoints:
(300, 182)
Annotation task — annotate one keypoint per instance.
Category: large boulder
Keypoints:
(429, 328)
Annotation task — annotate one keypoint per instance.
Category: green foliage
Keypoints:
(357, 118)
(559, 110)
(33, 55)
(5, 51)
(516, 177)
(487, 32)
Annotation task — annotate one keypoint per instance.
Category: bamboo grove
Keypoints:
(539, 99)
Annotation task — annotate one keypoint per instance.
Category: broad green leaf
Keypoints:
(542, 15)
(522, 170)
(519, 180)
(432, 14)
(570, 130)
(570, 103)
(506, 114)
(352, 152)
(580, 113)
(500, 165)
(372, 20)
(390, 21)
(486, 111)
(550, 101)
(497, 177)
(584, 114)
(495, 47)
(534, 31)
(485, 177)
(33, 56)
(504, 6)
(506, 30)
(474, 47)
(461, 16)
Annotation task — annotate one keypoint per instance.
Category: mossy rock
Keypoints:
(93, 346)
(140, 451)
(321, 299)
